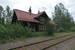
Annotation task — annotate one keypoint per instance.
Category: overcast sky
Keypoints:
(47, 5)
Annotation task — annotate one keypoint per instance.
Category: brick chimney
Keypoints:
(30, 11)
(38, 12)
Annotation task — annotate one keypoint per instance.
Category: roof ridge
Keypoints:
(25, 11)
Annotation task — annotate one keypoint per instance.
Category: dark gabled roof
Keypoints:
(27, 16)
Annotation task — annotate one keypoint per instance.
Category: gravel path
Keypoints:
(67, 45)
(42, 45)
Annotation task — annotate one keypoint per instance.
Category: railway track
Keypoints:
(44, 45)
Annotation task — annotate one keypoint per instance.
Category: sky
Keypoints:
(41, 5)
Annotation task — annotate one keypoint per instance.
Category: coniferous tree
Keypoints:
(62, 17)
(8, 15)
(1, 14)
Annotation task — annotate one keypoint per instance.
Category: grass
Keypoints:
(34, 34)
(38, 34)
(3, 41)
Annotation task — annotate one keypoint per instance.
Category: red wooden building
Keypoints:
(36, 21)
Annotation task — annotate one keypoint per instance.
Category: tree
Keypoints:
(8, 15)
(1, 14)
(62, 17)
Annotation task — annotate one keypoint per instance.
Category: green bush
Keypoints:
(14, 31)
(49, 29)
(19, 31)
(73, 29)
(28, 32)
(3, 32)
(61, 29)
